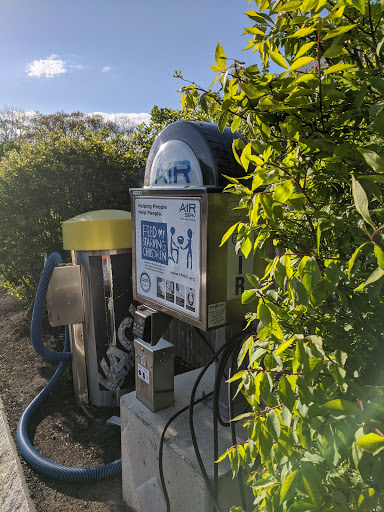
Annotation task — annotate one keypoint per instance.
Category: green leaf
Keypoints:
(304, 49)
(273, 425)
(312, 482)
(340, 406)
(255, 16)
(223, 120)
(246, 245)
(288, 6)
(259, 352)
(264, 484)
(380, 256)
(300, 63)
(220, 57)
(287, 488)
(254, 31)
(254, 280)
(372, 159)
(281, 348)
(377, 83)
(228, 233)
(237, 376)
(360, 5)
(309, 5)
(264, 314)
(302, 32)
(309, 272)
(334, 50)
(278, 59)
(338, 67)
(379, 122)
(248, 296)
(361, 201)
(371, 443)
(375, 276)
(244, 349)
(235, 124)
(287, 396)
(265, 442)
(299, 292)
(253, 92)
(338, 31)
(215, 68)
(222, 457)
(360, 96)
(283, 191)
(355, 255)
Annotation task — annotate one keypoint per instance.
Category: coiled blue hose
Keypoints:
(30, 454)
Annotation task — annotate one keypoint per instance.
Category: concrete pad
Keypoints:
(141, 432)
(14, 495)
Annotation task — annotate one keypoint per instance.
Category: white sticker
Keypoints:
(143, 373)
(216, 314)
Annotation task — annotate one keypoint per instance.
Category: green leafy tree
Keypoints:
(47, 179)
(313, 193)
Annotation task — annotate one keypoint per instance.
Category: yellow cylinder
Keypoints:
(98, 230)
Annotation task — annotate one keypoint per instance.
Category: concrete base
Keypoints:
(141, 430)
(14, 494)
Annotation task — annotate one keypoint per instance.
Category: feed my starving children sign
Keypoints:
(168, 252)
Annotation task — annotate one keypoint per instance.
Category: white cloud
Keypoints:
(123, 118)
(48, 68)
(106, 69)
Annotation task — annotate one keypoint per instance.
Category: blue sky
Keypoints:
(112, 56)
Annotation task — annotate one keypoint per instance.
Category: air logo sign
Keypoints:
(189, 210)
(174, 172)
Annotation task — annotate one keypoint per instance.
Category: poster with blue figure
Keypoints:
(154, 241)
(175, 247)
(167, 252)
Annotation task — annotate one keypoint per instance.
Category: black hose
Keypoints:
(191, 426)
(217, 417)
(161, 472)
(233, 431)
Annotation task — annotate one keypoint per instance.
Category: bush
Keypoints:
(46, 180)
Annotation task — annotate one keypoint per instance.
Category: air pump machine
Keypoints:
(178, 219)
(93, 296)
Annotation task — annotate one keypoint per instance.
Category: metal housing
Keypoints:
(217, 306)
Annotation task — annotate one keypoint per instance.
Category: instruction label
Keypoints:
(168, 252)
(143, 373)
(216, 314)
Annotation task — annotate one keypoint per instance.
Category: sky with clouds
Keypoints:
(111, 56)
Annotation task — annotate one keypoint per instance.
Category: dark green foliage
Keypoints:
(315, 376)
(48, 179)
